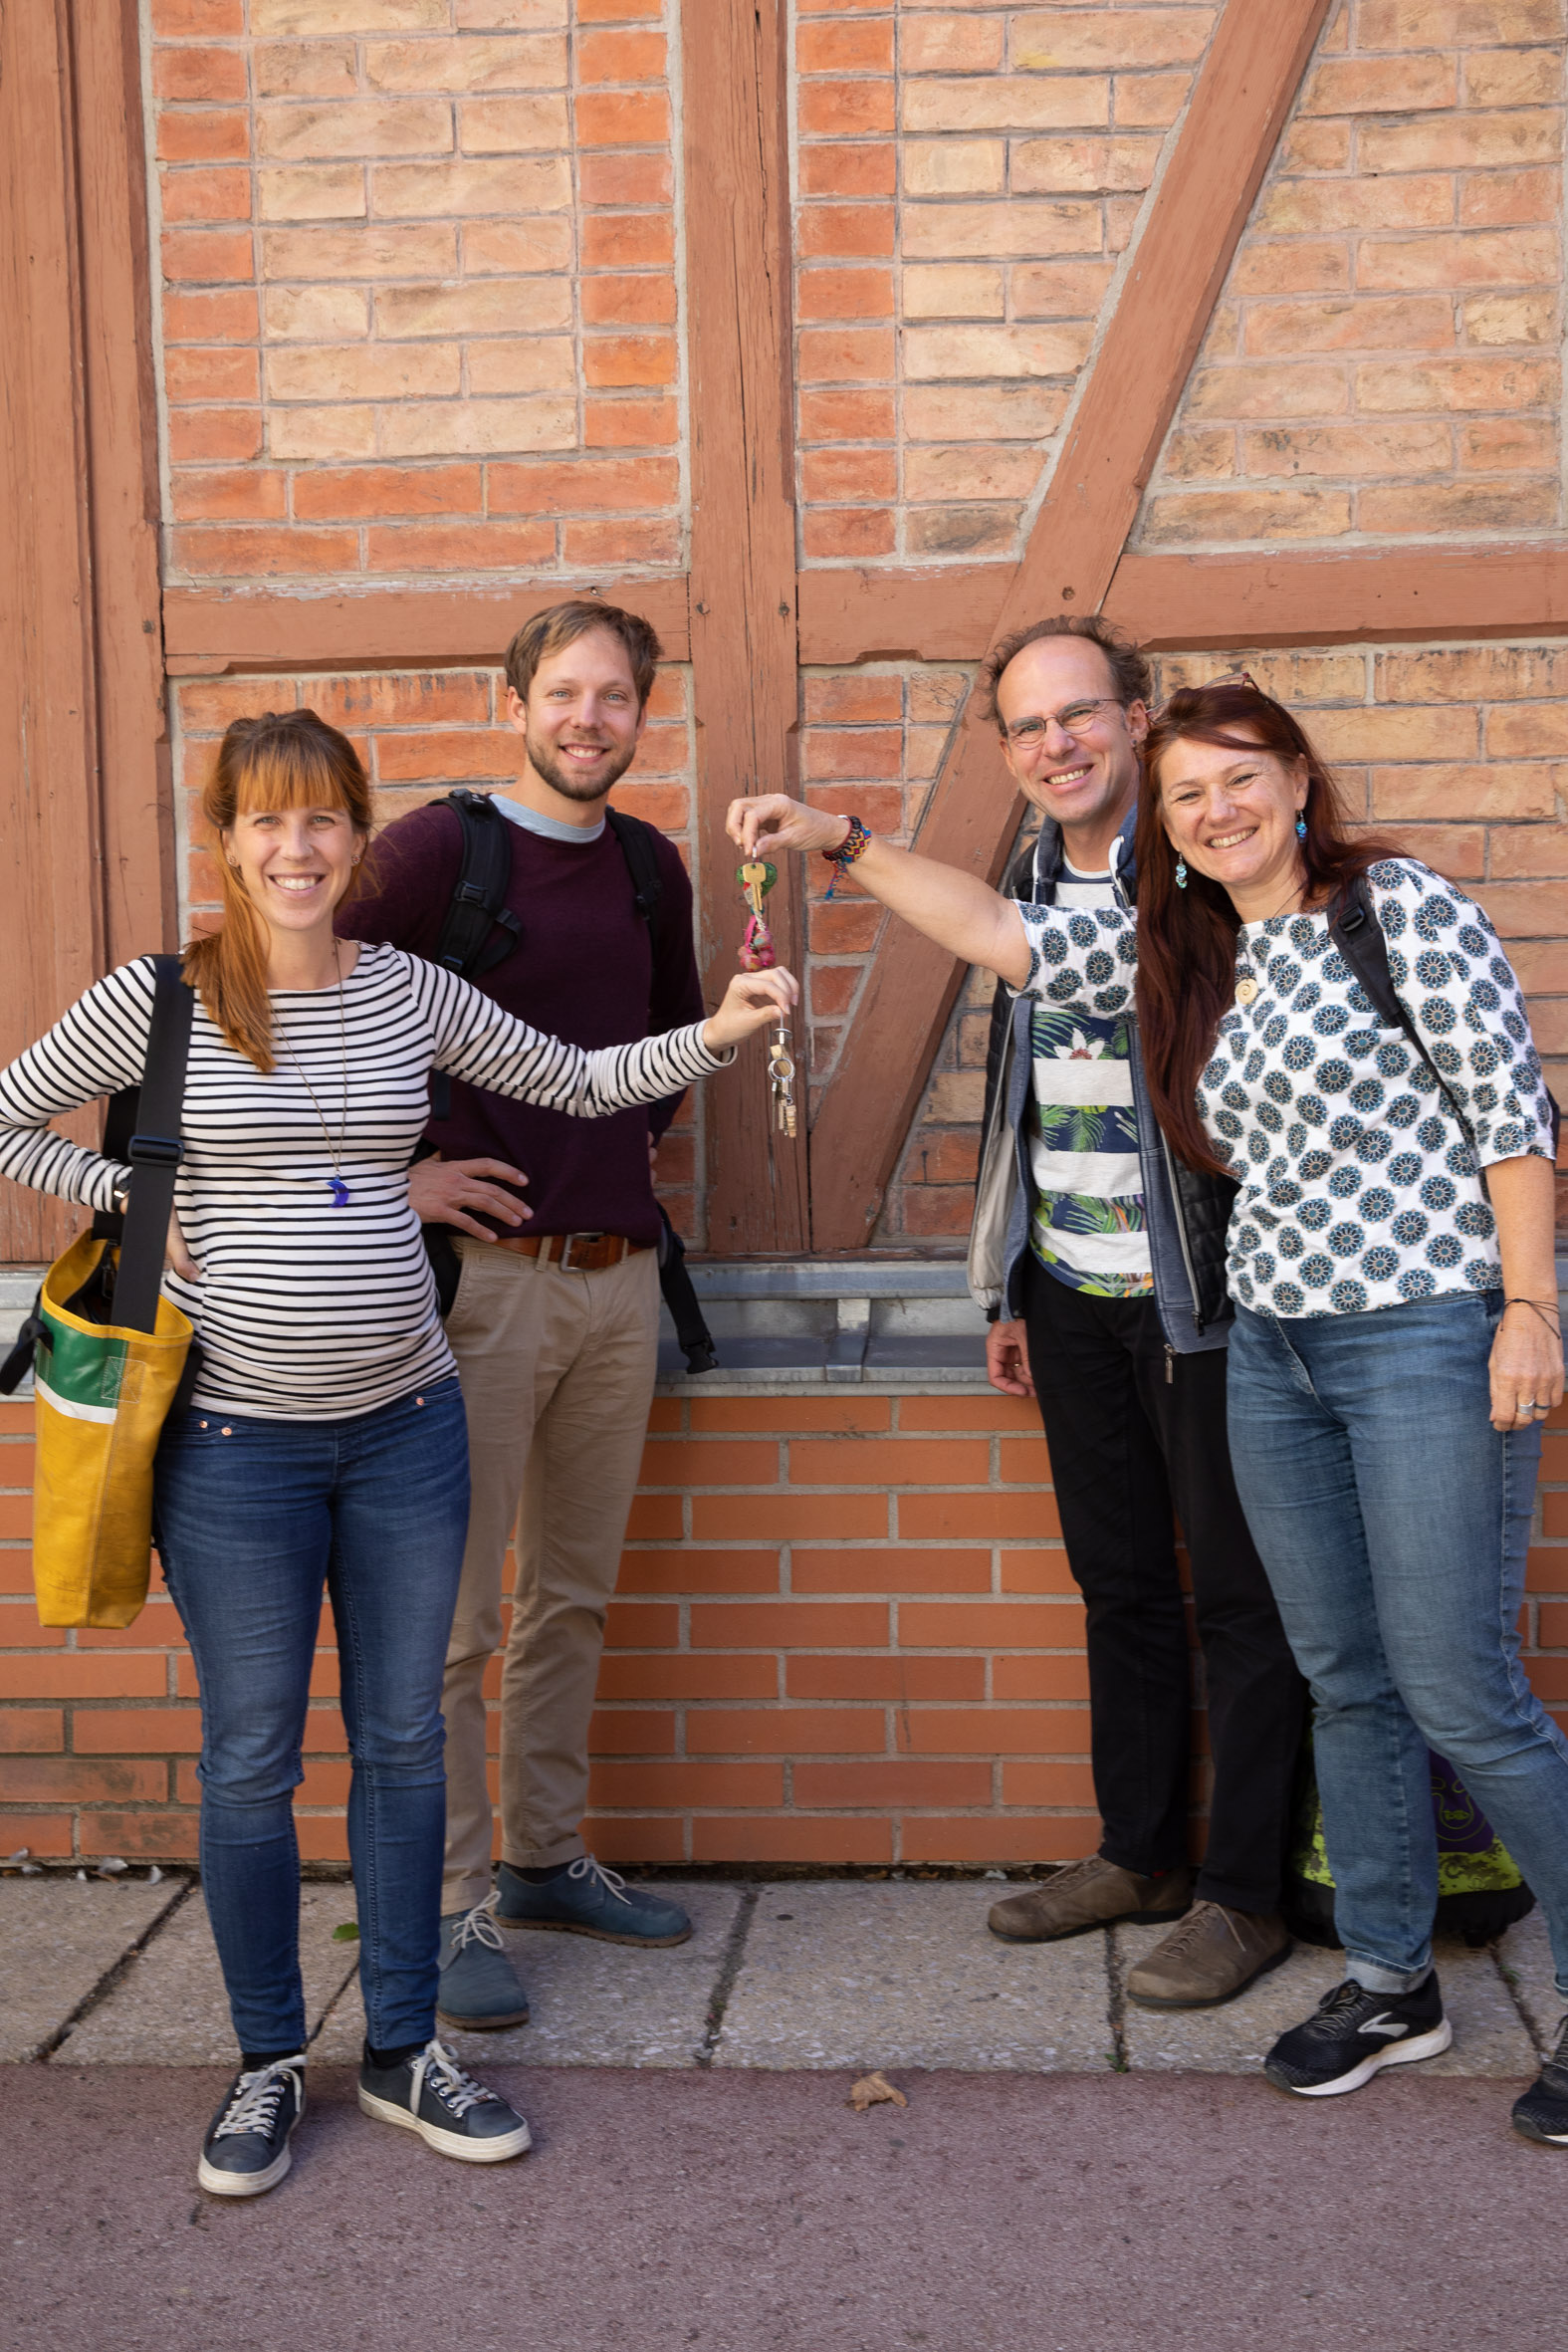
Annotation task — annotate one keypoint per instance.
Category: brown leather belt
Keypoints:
(576, 1252)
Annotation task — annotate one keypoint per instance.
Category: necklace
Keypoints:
(1246, 986)
(335, 1184)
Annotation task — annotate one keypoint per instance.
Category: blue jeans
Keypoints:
(252, 1520)
(1392, 1519)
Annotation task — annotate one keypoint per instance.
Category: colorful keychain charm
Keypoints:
(757, 877)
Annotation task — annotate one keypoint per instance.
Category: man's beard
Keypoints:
(546, 765)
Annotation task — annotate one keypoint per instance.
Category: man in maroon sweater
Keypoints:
(556, 1320)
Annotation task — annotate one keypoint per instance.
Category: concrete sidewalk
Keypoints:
(792, 1974)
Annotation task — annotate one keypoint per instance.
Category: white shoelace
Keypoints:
(254, 2104)
(586, 1868)
(455, 2089)
(479, 1926)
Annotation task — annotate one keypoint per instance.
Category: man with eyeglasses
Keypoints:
(1077, 1197)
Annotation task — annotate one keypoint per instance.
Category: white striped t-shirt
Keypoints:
(307, 1311)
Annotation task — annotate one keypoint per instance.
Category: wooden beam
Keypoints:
(1239, 102)
(742, 557)
(935, 613)
(210, 629)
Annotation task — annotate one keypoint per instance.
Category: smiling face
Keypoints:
(1084, 777)
(294, 864)
(1231, 815)
(581, 723)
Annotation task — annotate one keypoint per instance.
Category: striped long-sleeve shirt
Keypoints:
(306, 1310)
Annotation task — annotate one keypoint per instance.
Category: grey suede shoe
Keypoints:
(586, 1899)
(478, 1991)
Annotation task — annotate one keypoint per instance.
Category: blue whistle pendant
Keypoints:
(340, 1192)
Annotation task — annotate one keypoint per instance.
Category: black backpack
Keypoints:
(1355, 930)
(480, 932)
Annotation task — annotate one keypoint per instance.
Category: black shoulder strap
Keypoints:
(479, 930)
(155, 1150)
(680, 1296)
(637, 846)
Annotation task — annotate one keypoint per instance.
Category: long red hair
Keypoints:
(282, 760)
(1187, 938)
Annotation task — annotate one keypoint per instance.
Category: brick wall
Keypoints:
(1383, 358)
(845, 1632)
(418, 299)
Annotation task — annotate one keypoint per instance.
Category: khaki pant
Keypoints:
(558, 1374)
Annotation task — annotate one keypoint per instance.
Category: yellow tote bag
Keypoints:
(103, 1394)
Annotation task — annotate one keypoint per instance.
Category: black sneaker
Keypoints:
(429, 2094)
(246, 2150)
(1542, 2113)
(1352, 2033)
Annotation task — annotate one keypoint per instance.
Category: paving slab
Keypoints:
(591, 2004)
(1526, 1952)
(169, 2009)
(59, 1938)
(1488, 2038)
(840, 1974)
(1230, 2040)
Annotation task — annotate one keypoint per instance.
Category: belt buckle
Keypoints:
(569, 1244)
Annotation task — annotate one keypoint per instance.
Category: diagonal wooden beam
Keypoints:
(1238, 105)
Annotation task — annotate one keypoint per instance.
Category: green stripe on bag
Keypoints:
(82, 1371)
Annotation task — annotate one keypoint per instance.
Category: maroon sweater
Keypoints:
(583, 971)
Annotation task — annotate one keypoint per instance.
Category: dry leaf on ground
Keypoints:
(874, 2090)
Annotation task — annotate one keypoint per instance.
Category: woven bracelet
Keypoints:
(855, 844)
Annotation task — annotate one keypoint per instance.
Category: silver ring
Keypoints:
(1526, 1404)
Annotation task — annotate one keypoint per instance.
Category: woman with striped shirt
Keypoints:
(324, 1444)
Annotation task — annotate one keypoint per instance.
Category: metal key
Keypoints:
(780, 1071)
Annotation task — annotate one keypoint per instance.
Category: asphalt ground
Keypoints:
(756, 2211)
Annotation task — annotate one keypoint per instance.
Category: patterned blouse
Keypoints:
(1360, 1188)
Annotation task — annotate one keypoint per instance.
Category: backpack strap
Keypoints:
(636, 841)
(468, 945)
(155, 1150)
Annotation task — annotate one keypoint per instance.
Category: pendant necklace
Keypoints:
(335, 1184)
(1246, 987)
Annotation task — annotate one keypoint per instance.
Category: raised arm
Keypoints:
(957, 910)
(476, 1041)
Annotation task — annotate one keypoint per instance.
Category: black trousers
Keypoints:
(1133, 1432)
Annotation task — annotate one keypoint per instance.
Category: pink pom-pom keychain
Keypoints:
(757, 877)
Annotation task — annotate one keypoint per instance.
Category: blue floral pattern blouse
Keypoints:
(1360, 1188)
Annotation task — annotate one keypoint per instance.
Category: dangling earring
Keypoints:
(1181, 873)
(1300, 829)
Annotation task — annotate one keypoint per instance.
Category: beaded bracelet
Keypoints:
(855, 844)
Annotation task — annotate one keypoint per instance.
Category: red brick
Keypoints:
(846, 48)
(228, 373)
(626, 240)
(629, 119)
(939, 1209)
(64, 1674)
(993, 1731)
(198, 434)
(72, 1780)
(889, 1462)
(969, 1412)
(191, 195)
(1041, 1678)
(45, 1835)
(728, 1784)
(205, 256)
(231, 494)
(657, 1518)
(642, 1625)
(891, 1784)
(629, 359)
(490, 753)
(646, 300)
(587, 546)
(1554, 1625)
(1043, 1569)
(629, 423)
(989, 1625)
(849, 531)
(458, 547)
(870, 170)
(144, 1838)
(228, 315)
(890, 1570)
(1061, 1838)
(845, 232)
(137, 1730)
(854, 700)
(619, 1839)
(787, 1625)
(199, 76)
(212, 135)
(898, 1681)
(31, 1731)
(403, 698)
(983, 1518)
(785, 1414)
(1550, 1678)
(626, 1732)
(790, 1838)
(787, 1518)
(324, 493)
(678, 1675)
(174, 20)
(620, 57)
(845, 110)
(624, 179)
(1058, 1782)
(604, 482)
(847, 416)
(241, 555)
(786, 1730)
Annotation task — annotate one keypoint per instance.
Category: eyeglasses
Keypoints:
(1075, 720)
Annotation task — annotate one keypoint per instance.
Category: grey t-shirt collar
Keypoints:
(550, 829)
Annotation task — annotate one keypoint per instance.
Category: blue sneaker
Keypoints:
(586, 1899)
(478, 1991)
(246, 2150)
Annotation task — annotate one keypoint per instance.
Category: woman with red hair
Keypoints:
(1390, 1262)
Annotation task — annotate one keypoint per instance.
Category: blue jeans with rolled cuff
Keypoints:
(254, 1520)
(1393, 1522)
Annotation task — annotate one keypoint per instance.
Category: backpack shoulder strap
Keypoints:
(636, 841)
(155, 1150)
(1355, 930)
(480, 929)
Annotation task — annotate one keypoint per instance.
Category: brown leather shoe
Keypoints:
(1089, 1894)
(1212, 1956)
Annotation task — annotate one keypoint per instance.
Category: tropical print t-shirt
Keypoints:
(1086, 1225)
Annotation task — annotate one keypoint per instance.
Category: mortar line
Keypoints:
(1117, 2004)
(111, 1976)
(729, 1969)
(1510, 1983)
